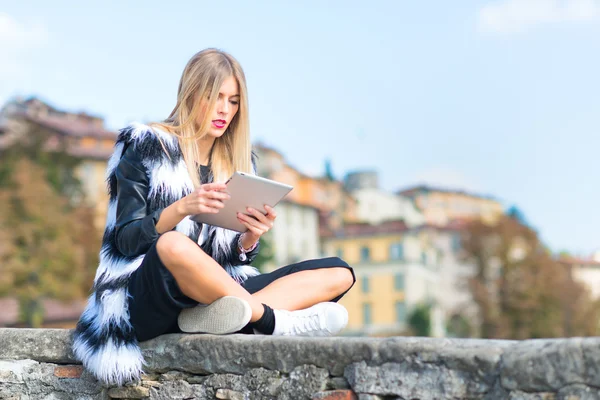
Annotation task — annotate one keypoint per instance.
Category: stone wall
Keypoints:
(38, 364)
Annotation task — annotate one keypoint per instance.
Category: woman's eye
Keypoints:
(235, 103)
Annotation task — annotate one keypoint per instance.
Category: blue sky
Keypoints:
(500, 97)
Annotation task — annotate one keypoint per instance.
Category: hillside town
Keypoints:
(405, 246)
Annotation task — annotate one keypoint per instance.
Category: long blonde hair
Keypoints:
(202, 77)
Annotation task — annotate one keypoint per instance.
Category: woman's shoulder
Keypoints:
(148, 141)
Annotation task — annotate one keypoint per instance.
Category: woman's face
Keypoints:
(225, 109)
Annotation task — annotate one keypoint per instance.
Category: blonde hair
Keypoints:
(202, 78)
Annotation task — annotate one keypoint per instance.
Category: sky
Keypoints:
(497, 97)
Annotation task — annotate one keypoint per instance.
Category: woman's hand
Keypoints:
(257, 223)
(207, 199)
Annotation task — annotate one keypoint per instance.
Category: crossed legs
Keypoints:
(201, 278)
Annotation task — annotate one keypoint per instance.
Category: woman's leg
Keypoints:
(198, 275)
(301, 285)
(202, 279)
(306, 288)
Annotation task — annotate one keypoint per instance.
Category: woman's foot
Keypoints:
(228, 314)
(322, 319)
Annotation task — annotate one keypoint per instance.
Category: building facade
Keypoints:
(395, 272)
(326, 195)
(585, 270)
(441, 206)
(295, 235)
(375, 205)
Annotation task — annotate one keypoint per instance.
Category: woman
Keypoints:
(159, 271)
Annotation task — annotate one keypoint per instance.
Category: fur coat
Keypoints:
(104, 340)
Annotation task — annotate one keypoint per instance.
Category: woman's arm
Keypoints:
(135, 229)
(235, 253)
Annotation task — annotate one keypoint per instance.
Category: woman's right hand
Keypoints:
(207, 199)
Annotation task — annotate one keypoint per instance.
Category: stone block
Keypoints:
(335, 395)
(68, 371)
(45, 345)
(172, 390)
(543, 365)
(416, 380)
(227, 394)
(518, 395)
(579, 392)
(131, 392)
(337, 382)
(362, 396)
(172, 376)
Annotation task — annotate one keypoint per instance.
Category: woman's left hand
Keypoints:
(257, 223)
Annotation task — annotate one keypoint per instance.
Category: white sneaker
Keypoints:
(225, 315)
(322, 319)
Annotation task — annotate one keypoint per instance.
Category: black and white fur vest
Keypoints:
(104, 340)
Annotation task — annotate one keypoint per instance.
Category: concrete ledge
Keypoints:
(266, 367)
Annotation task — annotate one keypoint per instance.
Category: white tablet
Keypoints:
(246, 190)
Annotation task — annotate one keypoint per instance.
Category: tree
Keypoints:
(48, 244)
(419, 320)
(329, 170)
(458, 326)
(266, 254)
(519, 290)
(515, 213)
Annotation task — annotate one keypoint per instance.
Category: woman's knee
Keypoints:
(172, 246)
(344, 277)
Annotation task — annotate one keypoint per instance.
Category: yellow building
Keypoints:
(395, 270)
(441, 206)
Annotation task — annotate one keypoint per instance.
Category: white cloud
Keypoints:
(19, 36)
(18, 42)
(515, 16)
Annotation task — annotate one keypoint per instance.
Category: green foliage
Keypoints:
(419, 320)
(266, 255)
(48, 244)
(459, 327)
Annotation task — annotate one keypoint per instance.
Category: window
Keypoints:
(456, 242)
(400, 311)
(399, 282)
(397, 251)
(365, 254)
(365, 284)
(424, 258)
(340, 252)
(367, 317)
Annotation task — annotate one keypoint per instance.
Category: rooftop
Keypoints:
(412, 190)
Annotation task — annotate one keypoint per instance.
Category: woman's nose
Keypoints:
(222, 107)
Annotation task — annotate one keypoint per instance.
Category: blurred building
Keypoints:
(295, 236)
(585, 270)
(441, 206)
(442, 246)
(322, 193)
(396, 270)
(375, 205)
(78, 134)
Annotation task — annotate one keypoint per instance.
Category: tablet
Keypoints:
(246, 190)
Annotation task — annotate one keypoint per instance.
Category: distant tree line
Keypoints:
(48, 243)
(519, 289)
